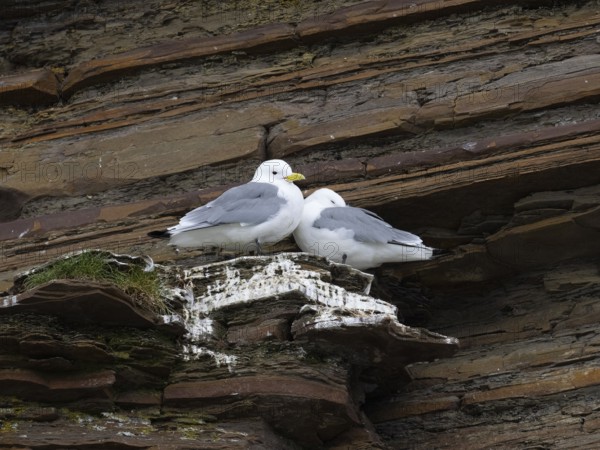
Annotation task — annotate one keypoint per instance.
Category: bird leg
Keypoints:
(258, 247)
(344, 257)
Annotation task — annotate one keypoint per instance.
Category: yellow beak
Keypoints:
(295, 177)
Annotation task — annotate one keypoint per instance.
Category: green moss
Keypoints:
(190, 433)
(75, 416)
(144, 287)
(7, 427)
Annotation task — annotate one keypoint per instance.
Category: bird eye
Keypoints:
(332, 202)
(274, 172)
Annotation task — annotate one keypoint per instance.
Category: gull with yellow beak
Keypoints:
(243, 218)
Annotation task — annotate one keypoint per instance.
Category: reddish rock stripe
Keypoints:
(79, 301)
(254, 385)
(38, 87)
(570, 81)
(562, 381)
(107, 69)
(35, 386)
(366, 16)
(395, 410)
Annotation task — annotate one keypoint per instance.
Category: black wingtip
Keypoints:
(160, 234)
(440, 252)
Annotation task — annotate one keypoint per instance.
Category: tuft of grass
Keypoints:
(85, 266)
(143, 287)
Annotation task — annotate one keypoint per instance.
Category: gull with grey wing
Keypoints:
(353, 236)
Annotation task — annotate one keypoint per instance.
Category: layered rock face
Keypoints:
(290, 343)
(472, 124)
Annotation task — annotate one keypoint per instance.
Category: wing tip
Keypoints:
(160, 234)
(439, 252)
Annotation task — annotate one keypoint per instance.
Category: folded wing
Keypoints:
(248, 204)
(366, 226)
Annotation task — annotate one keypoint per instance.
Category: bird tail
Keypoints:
(160, 234)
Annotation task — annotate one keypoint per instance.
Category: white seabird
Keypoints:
(263, 211)
(353, 236)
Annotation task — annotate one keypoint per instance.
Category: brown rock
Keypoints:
(265, 330)
(323, 172)
(327, 410)
(373, 341)
(11, 203)
(533, 245)
(40, 346)
(79, 301)
(521, 351)
(58, 388)
(212, 391)
(138, 431)
(249, 303)
(38, 87)
(367, 16)
(468, 264)
(408, 161)
(528, 90)
(139, 399)
(564, 380)
(111, 68)
(102, 162)
(503, 135)
(293, 137)
(394, 410)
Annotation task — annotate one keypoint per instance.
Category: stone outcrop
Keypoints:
(290, 340)
(475, 125)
